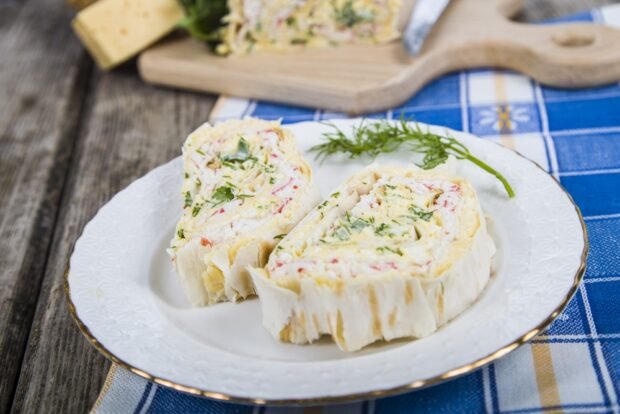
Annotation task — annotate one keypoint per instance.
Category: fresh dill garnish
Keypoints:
(279, 236)
(181, 233)
(374, 138)
(196, 210)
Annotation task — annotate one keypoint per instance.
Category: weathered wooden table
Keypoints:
(70, 138)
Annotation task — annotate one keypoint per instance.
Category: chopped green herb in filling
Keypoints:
(222, 194)
(347, 16)
(382, 229)
(188, 199)
(241, 155)
(421, 213)
(384, 249)
(342, 233)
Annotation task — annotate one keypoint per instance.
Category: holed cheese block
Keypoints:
(245, 184)
(394, 252)
(256, 25)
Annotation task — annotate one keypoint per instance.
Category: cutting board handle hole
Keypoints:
(569, 39)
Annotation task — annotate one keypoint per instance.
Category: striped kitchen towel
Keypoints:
(574, 366)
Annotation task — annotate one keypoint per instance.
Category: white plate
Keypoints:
(125, 296)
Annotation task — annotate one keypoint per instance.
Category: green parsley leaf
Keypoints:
(242, 155)
(222, 194)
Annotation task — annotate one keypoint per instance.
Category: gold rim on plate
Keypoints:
(464, 369)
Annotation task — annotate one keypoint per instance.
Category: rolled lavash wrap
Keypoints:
(393, 252)
(245, 184)
(282, 25)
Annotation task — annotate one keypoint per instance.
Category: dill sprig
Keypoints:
(374, 138)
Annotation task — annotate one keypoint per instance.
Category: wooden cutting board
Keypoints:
(357, 79)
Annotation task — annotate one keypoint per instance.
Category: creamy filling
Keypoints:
(396, 223)
(284, 22)
(236, 184)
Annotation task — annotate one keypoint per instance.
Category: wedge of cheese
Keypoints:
(116, 30)
(394, 252)
(245, 186)
(256, 25)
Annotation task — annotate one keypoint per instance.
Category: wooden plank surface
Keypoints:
(71, 137)
(42, 76)
(129, 129)
(536, 10)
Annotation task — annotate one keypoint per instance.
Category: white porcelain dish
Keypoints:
(125, 297)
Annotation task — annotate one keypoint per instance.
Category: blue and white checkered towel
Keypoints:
(574, 366)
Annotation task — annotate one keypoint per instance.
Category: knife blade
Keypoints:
(424, 15)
